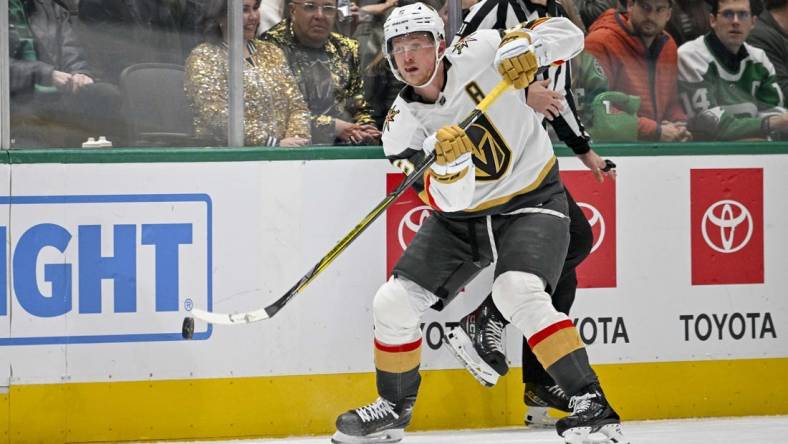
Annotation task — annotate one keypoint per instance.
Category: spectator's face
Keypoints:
(251, 19)
(732, 23)
(414, 56)
(648, 17)
(313, 20)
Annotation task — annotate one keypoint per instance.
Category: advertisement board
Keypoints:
(98, 277)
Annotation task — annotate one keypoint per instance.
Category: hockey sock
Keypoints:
(397, 368)
(560, 350)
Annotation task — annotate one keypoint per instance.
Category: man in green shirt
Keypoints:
(727, 86)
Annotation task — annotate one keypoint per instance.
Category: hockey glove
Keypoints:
(515, 59)
(451, 143)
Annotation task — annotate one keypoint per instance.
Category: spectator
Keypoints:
(189, 16)
(271, 13)
(771, 35)
(728, 87)
(274, 111)
(688, 20)
(55, 99)
(590, 10)
(606, 114)
(639, 58)
(369, 32)
(381, 88)
(326, 66)
(121, 33)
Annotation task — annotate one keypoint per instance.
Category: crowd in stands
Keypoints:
(314, 72)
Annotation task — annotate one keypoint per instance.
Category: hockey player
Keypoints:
(478, 340)
(498, 198)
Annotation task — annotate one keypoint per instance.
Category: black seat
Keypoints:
(155, 105)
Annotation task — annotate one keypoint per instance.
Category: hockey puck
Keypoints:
(609, 165)
(187, 331)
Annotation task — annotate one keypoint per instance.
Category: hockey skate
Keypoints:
(538, 399)
(591, 414)
(478, 343)
(379, 422)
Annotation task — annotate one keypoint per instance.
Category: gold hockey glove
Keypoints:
(452, 142)
(515, 60)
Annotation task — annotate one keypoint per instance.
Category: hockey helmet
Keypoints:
(416, 17)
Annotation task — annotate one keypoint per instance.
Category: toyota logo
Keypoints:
(727, 215)
(412, 222)
(596, 218)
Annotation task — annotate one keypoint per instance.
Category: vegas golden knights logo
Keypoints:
(390, 116)
(491, 154)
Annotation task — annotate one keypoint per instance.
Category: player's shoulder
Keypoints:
(475, 45)
(399, 126)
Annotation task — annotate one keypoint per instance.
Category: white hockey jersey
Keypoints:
(513, 161)
(504, 14)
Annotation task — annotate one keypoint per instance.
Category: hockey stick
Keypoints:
(269, 311)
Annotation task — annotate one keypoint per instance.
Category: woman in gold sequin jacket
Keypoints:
(275, 113)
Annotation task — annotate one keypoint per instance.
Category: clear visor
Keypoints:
(413, 45)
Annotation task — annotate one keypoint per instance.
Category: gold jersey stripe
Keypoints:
(534, 23)
(504, 199)
(449, 178)
(557, 345)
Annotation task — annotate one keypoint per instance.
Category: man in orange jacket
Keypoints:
(640, 59)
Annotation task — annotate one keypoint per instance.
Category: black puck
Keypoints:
(187, 331)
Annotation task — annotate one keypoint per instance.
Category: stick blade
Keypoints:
(230, 318)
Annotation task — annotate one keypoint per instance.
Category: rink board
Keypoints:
(308, 405)
(105, 256)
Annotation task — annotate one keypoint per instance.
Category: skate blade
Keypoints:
(386, 436)
(538, 417)
(462, 348)
(607, 434)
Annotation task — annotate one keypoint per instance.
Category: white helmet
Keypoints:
(416, 17)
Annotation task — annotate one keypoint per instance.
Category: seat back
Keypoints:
(155, 105)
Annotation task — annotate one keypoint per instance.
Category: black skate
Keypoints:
(380, 422)
(538, 398)
(591, 414)
(478, 343)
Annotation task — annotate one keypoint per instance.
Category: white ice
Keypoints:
(749, 430)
